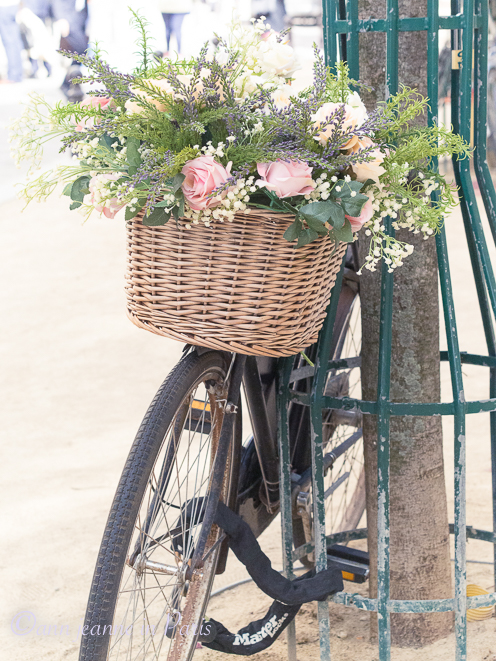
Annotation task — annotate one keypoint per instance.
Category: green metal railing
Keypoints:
(469, 33)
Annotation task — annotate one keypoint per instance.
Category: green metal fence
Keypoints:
(468, 24)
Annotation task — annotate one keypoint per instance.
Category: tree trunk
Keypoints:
(419, 541)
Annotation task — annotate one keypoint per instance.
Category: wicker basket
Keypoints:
(236, 286)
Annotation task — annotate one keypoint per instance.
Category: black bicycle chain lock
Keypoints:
(288, 595)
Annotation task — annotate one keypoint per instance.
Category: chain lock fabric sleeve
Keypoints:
(245, 547)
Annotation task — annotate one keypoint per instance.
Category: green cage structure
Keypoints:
(468, 24)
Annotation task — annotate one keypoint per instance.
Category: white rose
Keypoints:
(278, 58)
(282, 97)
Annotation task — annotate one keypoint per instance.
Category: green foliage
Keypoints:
(140, 24)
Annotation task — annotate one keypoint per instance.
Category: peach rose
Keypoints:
(352, 118)
(286, 179)
(103, 102)
(203, 175)
(162, 86)
(365, 215)
(371, 169)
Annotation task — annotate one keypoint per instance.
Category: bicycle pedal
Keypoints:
(199, 419)
(354, 564)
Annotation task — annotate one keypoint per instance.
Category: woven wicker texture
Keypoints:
(236, 286)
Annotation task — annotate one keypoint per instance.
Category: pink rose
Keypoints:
(103, 102)
(286, 179)
(365, 215)
(99, 194)
(203, 175)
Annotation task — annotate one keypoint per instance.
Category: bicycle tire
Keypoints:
(158, 445)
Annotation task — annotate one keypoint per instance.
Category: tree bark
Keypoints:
(419, 535)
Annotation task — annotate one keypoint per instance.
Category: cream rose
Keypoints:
(277, 58)
(282, 97)
(352, 119)
(371, 169)
(162, 86)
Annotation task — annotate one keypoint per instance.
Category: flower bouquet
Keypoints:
(240, 194)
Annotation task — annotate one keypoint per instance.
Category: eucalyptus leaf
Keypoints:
(293, 231)
(307, 236)
(345, 189)
(80, 188)
(337, 215)
(156, 218)
(75, 205)
(67, 189)
(129, 215)
(320, 211)
(177, 182)
(132, 152)
(353, 205)
(106, 141)
(317, 226)
(181, 206)
(345, 233)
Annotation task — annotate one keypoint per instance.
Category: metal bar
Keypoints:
(329, 15)
(352, 39)
(486, 186)
(284, 371)
(488, 196)
(219, 466)
(472, 359)
(397, 408)
(265, 443)
(412, 606)
(459, 441)
(461, 117)
(383, 419)
(404, 24)
(321, 361)
(391, 47)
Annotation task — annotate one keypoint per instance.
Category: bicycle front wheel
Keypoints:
(145, 602)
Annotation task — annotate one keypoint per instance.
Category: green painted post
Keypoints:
(489, 197)
(285, 366)
(383, 419)
(321, 362)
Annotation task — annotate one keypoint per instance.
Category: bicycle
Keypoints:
(161, 550)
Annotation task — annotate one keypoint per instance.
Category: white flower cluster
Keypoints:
(227, 204)
(268, 62)
(385, 247)
(95, 155)
(210, 150)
